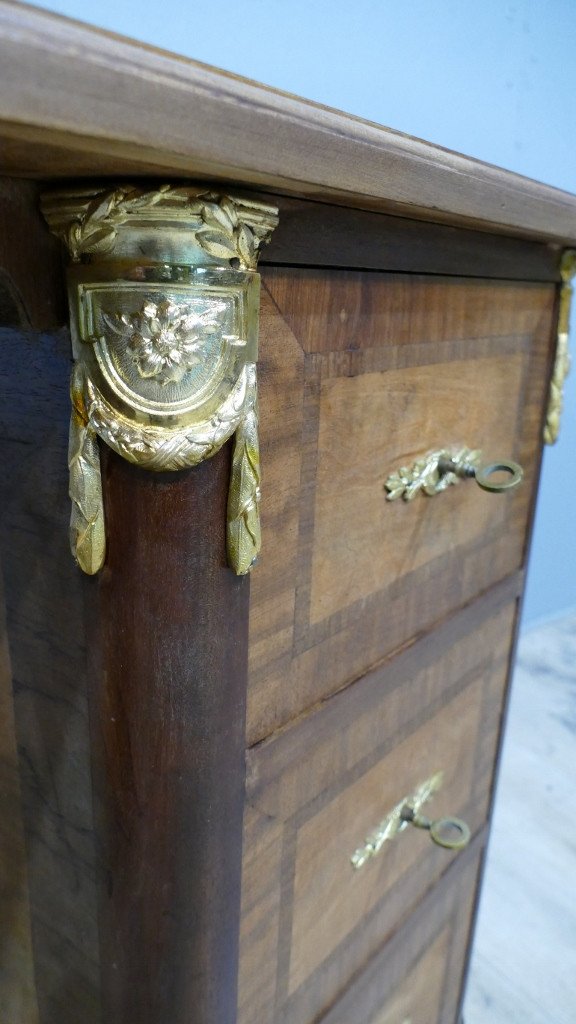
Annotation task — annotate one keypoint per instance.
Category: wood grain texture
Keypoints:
(321, 234)
(165, 746)
(361, 373)
(75, 100)
(45, 633)
(330, 899)
(371, 425)
(415, 977)
(168, 689)
(348, 312)
(17, 987)
(30, 261)
(315, 790)
(502, 711)
(418, 997)
(348, 590)
(45, 627)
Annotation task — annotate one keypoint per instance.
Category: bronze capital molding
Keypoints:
(164, 302)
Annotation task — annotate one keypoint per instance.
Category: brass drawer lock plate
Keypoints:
(437, 470)
(451, 833)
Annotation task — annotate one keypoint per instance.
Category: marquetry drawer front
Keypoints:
(362, 373)
(319, 789)
(417, 977)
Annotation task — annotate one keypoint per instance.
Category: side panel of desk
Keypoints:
(128, 701)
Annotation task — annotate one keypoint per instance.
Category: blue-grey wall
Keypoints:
(495, 80)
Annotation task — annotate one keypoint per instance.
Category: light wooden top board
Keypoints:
(75, 100)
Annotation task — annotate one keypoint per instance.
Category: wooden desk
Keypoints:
(200, 770)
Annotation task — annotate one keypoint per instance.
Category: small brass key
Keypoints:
(438, 470)
(452, 833)
(486, 476)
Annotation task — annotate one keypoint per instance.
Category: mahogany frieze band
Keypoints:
(164, 299)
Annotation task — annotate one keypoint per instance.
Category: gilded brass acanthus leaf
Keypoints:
(244, 495)
(87, 531)
(228, 228)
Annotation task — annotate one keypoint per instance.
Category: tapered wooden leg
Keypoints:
(168, 681)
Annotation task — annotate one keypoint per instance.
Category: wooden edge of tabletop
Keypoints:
(75, 100)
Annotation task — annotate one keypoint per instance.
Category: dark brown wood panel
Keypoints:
(360, 374)
(45, 628)
(17, 989)
(30, 261)
(318, 234)
(168, 690)
(317, 789)
(49, 936)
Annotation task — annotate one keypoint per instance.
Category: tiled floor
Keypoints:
(524, 961)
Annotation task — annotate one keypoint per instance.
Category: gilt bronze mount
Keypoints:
(396, 821)
(562, 359)
(434, 472)
(164, 300)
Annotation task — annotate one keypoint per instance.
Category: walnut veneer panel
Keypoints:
(360, 374)
(317, 789)
(330, 899)
(418, 998)
(417, 977)
(374, 422)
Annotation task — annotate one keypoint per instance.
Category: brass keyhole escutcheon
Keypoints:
(451, 833)
(438, 470)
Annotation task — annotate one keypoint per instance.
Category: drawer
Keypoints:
(318, 789)
(361, 373)
(416, 978)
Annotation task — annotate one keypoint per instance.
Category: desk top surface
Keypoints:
(77, 101)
